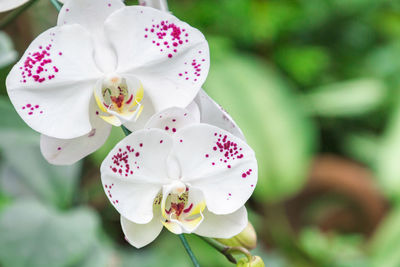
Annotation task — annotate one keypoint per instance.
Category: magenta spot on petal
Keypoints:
(59, 148)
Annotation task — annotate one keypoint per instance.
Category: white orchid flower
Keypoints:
(181, 174)
(68, 151)
(6, 5)
(105, 64)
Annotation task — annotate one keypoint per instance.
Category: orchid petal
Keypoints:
(147, 113)
(159, 4)
(91, 15)
(11, 4)
(68, 151)
(171, 59)
(134, 171)
(214, 114)
(223, 226)
(219, 164)
(140, 235)
(173, 119)
(52, 85)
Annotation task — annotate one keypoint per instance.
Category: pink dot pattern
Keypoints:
(228, 151)
(32, 109)
(192, 70)
(39, 65)
(108, 189)
(121, 160)
(167, 36)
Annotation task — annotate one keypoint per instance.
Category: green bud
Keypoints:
(256, 261)
(247, 238)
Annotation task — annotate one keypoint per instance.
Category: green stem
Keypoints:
(188, 250)
(220, 247)
(14, 14)
(56, 4)
(126, 131)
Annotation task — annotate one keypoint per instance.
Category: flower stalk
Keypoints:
(227, 250)
(56, 4)
(189, 250)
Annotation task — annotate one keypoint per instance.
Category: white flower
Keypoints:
(181, 174)
(105, 64)
(6, 5)
(68, 151)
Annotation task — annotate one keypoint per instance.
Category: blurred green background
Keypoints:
(314, 85)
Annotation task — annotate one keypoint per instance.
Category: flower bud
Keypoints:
(256, 261)
(247, 238)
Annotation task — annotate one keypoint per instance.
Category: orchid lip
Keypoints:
(119, 99)
(179, 213)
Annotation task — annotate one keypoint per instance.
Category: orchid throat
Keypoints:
(119, 99)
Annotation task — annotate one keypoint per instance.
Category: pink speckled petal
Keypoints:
(214, 114)
(52, 84)
(68, 151)
(173, 119)
(140, 235)
(134, 171)
(91, 14)
(169, 57)
(222, 226)
(6, 5)
(221, 165)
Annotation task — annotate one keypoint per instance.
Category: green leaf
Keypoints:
(33, 235)
(362, 146)
(387, 165)
(330, 249)
(385, 243)
(346, 99)
(271, 119)
(24, 171)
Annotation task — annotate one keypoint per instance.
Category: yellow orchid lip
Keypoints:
(181, 215)
(118, 101)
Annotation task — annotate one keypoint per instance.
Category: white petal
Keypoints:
(140, 235)
(169, 78)
(6, 5)
(91, 15)
(51, 86)
(214, 114)
(68, 151)
(148, 111)
(173, 119)
(223, 226)
(221, 165)
(159, 4)
(134, 171)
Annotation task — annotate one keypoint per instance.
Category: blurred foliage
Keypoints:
(302, 78)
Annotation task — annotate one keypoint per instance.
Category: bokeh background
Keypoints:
(314, 84)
